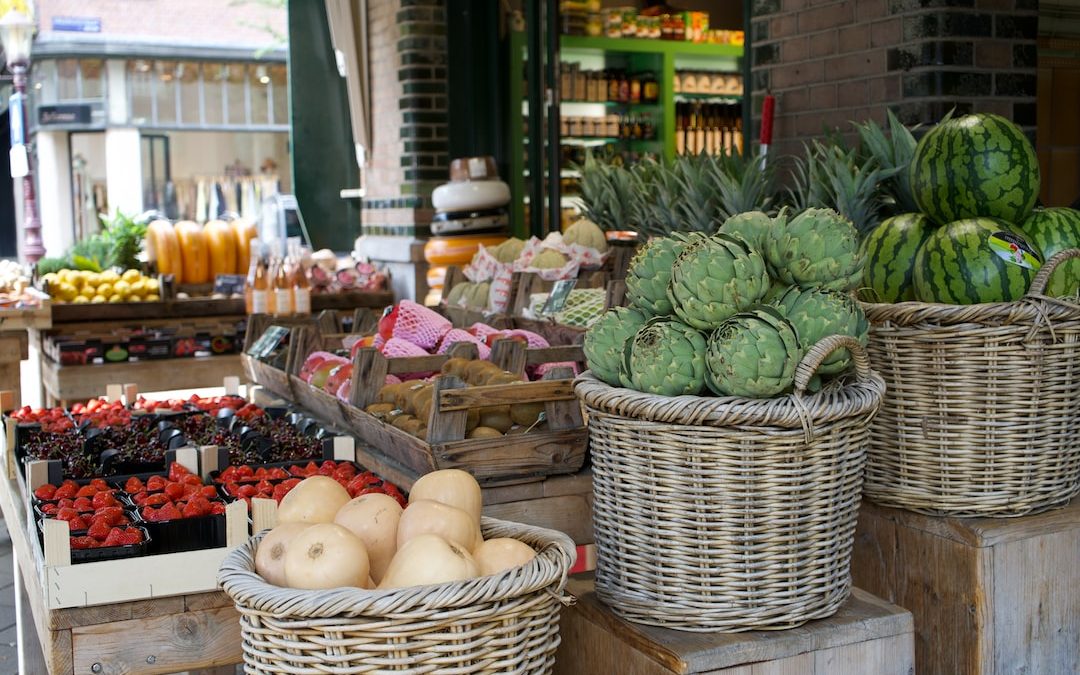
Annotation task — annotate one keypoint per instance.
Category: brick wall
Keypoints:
(829, 63)
(407, 52)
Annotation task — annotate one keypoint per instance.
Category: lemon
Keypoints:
(152, 285)
(121, 287)
(130, 275)
(81, 300)
(133, 298)
(105, 289)
(110, 276)
(64, 275)
(153, 297)
(97, 299)
(51, 278)
(116, 298)
(66, 291)
(93, 279)
(138, 287)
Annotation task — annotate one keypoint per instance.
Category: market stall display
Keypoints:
(967, 337)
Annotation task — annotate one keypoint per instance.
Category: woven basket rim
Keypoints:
(1033, 308)
(555, 555)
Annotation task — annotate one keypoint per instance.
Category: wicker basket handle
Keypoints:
(1038, 284)
(811, 361)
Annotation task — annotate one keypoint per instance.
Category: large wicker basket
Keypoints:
(507, 623)
(726, 513)
(982, 412)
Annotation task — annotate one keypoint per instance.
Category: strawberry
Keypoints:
(217, 508)
(46, 492)
(104, 499)
(83, 504)
(169, 512)
(326, 469)
(77, 523)
(133, 485)
(280, 490)
(49, 509)
(99, 529)
(208, 491)
(247, 491)
(66, 513)
(83, 543)
(174, 491)
(86, 491)
(190, 479)
(265, 487)
(99, 484)
(228, 475)
(277, 473)
(156, 483)
(156, 499)
(67, 490)
(176, 470)
(110, 514)
(114, 538)
(66, 503)
(131, 536)
(245, 471)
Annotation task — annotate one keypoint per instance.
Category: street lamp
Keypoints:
(17, 36)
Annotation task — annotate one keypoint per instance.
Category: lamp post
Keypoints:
(17, 36)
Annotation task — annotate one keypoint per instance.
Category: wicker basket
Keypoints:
(982, 412)
(507, 623)
(727, 513)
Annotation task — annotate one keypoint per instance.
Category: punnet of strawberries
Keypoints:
(179, 494)
(245, 482)
(116, 536)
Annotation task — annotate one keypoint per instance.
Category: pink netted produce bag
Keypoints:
(419, 325)
(457, 335)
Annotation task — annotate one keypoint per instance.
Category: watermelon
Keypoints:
(975, 260)
(889, 251)
(975, 166)
(1054, 230)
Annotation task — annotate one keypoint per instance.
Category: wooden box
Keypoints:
(868, 636)
(988, 595)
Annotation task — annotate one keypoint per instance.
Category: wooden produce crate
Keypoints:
(556, 333)
(463, 317)
(22, 318)
(866, 636)
(989, 595)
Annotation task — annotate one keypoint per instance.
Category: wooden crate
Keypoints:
(989, 595)
(868, 636)
(463, 317)
(18, 319)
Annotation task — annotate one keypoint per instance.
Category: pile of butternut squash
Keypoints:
(196, 254)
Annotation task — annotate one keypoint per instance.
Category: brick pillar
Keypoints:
(829, 63)
(407, 56)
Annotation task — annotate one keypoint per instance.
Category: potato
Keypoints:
(484, 432)
(496, 418)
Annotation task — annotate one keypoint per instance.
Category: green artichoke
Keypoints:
(818, 313)
(649, 273)
(753, 355)
(666, 357)
(753, 227)
(606, 338)
(818, 247)
(714, 279)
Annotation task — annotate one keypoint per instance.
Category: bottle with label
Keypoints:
(301, 287)
(283, 296)
(257, 286)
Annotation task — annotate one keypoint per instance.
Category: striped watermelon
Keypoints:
(1053, 230)
(889, 251)
(975, 260)
(975, 166)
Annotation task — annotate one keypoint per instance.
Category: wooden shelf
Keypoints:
(80, 383)
(641, 46)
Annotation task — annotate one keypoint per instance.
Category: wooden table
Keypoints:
(200, 631)
(14, 344)
(867, 636)
(989, 595)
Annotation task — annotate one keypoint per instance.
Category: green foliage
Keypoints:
(55, 264)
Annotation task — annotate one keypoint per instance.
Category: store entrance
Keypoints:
(89, 198)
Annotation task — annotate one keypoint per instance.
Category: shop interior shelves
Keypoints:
(640, 46)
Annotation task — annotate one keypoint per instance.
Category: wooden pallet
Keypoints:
(989, 595)
(866, 636)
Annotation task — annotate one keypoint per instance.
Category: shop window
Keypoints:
(69, 79)
(236, 93)
(44, 78)
(140, 91)
(165, 93)
(187, 75)
(259, 85)
(214, 75)
(93, 79)
(279, 83)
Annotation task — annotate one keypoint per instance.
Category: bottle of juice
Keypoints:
(301, 287)
(283, 295)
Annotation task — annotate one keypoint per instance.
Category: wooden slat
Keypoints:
(403, 448)
(570, 514)
(14, 346)
(119, 611)
(202, 639)
(74, 383)
(446, 424)
(263, 514)
(506, 394)
(211, 600)
(539, 453)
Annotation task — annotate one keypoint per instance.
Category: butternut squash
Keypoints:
(194, 252)
(221, 240)
(163, 247)
(245, 231)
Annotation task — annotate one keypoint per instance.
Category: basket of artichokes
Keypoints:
(729, 406)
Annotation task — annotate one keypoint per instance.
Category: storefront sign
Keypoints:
(72, 113)
(77, 24)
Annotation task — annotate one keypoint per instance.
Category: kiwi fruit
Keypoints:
(401, 420)
(423, 398)
(423, 411)
(497, 417)
(526, 414)
(379, 409)
(393, 415)
(389, 392)
(410, 426)
(477, 372)
(421, 432)
(406, 400)
(484, 432)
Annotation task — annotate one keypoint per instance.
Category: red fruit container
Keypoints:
(184, 534)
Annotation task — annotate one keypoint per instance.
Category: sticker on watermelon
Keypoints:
(1013, 249)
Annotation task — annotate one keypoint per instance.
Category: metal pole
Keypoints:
(33, 249)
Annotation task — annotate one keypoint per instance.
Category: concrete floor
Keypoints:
(9, 654)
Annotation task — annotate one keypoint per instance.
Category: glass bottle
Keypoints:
(256, 287)
(301, 287)
(283, 300)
